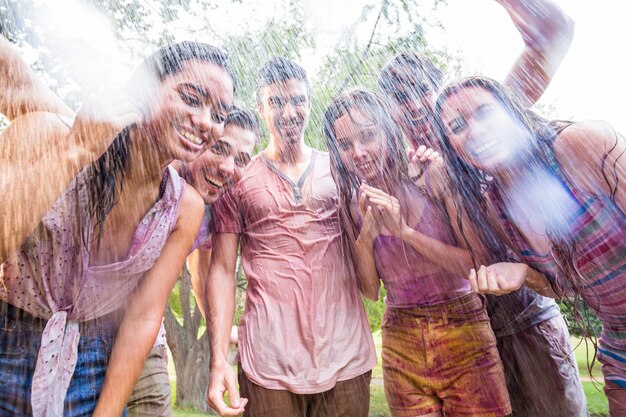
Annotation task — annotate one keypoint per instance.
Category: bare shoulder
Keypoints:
(584, 150)
(191, 203)
(586, 138)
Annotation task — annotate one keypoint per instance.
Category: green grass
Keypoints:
(596, 400)
(583, 350)
(597, 403)
(378, 403)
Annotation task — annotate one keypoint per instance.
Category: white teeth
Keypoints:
(213, 181)
(191, 137)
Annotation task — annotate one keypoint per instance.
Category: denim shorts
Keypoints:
(20, 337)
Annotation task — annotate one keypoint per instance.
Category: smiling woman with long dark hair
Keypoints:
(85, 292)
(439, 351)
(557, 190)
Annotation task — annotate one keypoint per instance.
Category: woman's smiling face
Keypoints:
(190, 110)
(361, 143)
(483, 131)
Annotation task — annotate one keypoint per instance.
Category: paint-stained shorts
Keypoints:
(443, 357)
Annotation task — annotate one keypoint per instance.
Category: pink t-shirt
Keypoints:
(304, 326)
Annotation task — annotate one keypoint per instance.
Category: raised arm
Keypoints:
(22, 91)
(143, 317)
(41, 153)
(220, 304)
(547, 33)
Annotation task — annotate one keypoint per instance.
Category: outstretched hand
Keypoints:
(223, 380)
(499, 278)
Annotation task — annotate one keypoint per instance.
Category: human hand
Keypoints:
(420, 158)
(222, 380)
(499, 278)
(372, 222)
(388, 208)
(539, 22)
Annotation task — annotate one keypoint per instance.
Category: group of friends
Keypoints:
(488, 215)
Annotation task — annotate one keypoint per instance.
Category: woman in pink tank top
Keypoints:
(439, 352)
(112, 244)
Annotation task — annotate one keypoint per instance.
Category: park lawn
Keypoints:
(583, 350)
(596, 400)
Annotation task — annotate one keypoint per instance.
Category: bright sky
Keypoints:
(589, 84)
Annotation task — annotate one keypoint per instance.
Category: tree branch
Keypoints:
(366, 50)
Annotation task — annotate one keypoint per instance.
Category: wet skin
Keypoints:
(483, 131)
(190, 109)
(361, 145)
(285, 109)
(223, 163)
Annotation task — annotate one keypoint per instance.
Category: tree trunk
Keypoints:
(190, 353)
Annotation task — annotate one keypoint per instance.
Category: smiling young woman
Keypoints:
(558, 193)
(87, 288)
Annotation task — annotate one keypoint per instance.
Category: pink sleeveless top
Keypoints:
(410, 279)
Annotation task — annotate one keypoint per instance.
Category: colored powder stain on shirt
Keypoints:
(304, 326)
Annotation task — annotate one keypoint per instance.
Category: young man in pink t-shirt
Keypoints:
(304, 342)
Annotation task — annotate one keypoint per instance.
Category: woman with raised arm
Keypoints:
(557, 189)
(85, 292)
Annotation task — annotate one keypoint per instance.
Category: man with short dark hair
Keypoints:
(304, 341)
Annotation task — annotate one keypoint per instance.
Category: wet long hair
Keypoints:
(469, 184)
(377, 111)
(406, 71)
(104, 178)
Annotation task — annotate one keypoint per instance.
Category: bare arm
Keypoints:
(37, 162)
(363, 248)
(220, 298)
(22, 91)
(199, 262)
(41, 154)
(505, 277)
(143, 317)
(547, 33)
